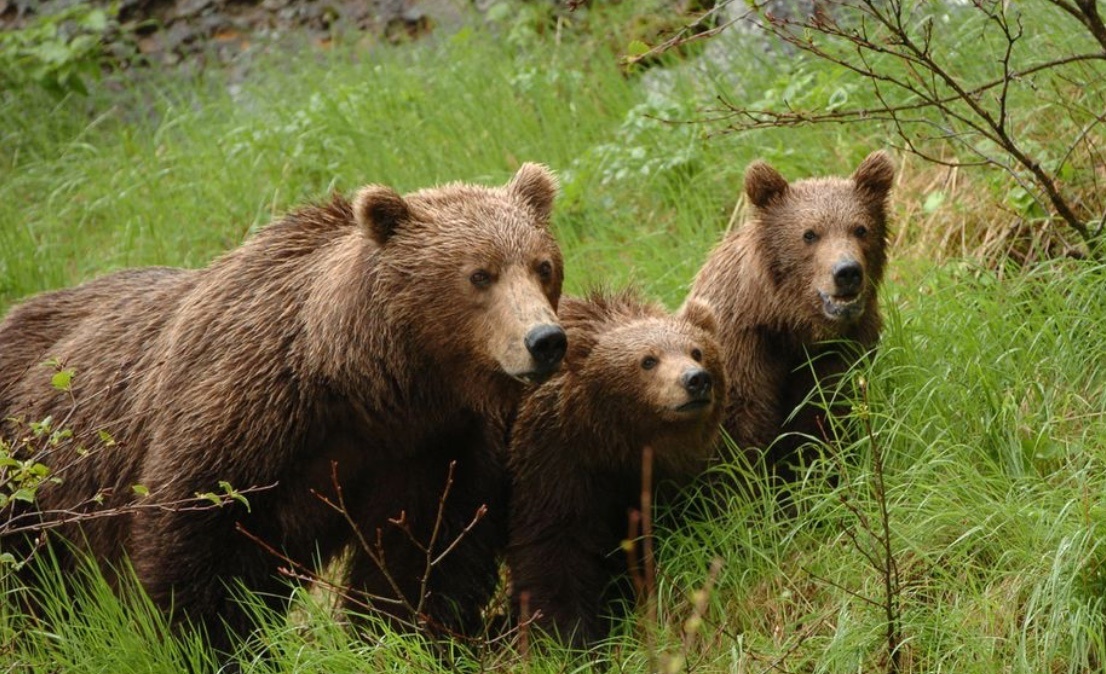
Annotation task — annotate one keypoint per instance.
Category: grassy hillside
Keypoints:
(981, 474)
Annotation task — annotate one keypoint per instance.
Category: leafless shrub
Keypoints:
(963, 83)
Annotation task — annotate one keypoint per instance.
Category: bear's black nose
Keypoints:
(848, 276)
(697, 382)
(547, 344)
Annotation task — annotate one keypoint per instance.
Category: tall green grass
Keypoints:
(985, 398)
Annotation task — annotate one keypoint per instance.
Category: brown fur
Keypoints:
(353, 334)
(768, 286)
(576, 448)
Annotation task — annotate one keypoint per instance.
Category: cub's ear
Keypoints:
(875, 174)
(700, 315)
(763, 184)
(581, 341)
(535, 185)
(379, 210)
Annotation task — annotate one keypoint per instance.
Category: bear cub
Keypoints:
(634, 376)
(797, 283)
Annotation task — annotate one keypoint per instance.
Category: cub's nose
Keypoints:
(848, 276)
(697, 382)
(546, 344)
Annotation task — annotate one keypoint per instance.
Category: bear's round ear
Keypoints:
(875, 174)
(581, 342)
(535, 185)
(379, 210)
(700, 315)
(763, 184)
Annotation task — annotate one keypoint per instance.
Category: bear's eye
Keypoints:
(697, 355)
(481, 279)
(648, 363)
(809, 236)
(545, 270)
(861, 232)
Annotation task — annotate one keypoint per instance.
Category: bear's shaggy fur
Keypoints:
(798, 281)
(634, 376)
(365, 345)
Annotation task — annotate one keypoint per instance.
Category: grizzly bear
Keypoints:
(634, 377)
(795, 293)
(356, 361)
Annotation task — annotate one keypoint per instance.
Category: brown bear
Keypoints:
(795, 293)
(363, 352)
(635, 376)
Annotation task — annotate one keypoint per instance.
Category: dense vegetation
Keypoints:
(966, 526)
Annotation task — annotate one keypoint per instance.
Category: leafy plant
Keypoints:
(60, 51)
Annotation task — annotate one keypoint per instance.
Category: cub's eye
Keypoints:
(481, 279)
(545, 270)
(809, 236)
(697, 355)
(648, 363)
(861, 232)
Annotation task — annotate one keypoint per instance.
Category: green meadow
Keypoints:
(965, 523)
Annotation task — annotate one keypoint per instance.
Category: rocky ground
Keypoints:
(167, 32)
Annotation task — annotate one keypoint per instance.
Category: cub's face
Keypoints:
(479, 276)
(825, 238)
(834, 242)
(657, 372)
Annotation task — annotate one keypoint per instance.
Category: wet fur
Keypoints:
(342, 334)
(575, 459)
(762, 282)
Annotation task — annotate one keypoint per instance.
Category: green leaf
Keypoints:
(210, 496)
(839, 97)
(140, 490)
(637, 48)
(96, 21)
(54, 53)
(933, 201)
(234, 494)
(25, 494)
(498, 12)
(62, 379)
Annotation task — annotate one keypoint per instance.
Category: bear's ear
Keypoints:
(581, 342)
(700, 315)
(875, 174)
(535, 185)
(379, 210)
(763, 184)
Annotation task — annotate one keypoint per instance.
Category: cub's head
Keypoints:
(825, 239)
(475, 275)
(652, 377)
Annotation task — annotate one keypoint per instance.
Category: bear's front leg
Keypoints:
(192, 563)
(559, 575)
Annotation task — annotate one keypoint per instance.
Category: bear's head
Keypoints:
(474, 276)
(824, 239)
(657, 378)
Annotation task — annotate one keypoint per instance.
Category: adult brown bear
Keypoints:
(797, 283)
(379, 339)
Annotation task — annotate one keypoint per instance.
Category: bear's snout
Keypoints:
(848, 277)
(697, 382)
(547, 345)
